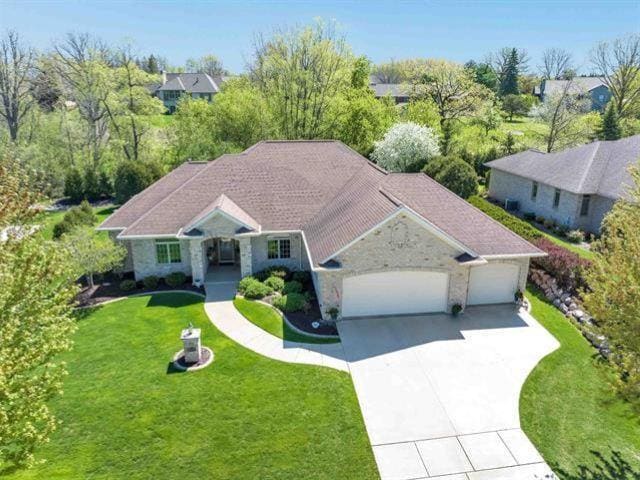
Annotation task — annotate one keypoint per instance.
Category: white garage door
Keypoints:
(391, 293)
(493, 283)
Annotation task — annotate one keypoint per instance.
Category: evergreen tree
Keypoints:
(509, 78)
(610, 124)
(73, 185)
(152, 65)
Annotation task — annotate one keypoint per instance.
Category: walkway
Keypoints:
(223, 314)
(440, 395)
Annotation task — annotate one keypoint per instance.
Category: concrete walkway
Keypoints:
(223, 314)
(440, 395)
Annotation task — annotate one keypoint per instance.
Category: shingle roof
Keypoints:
(578, 84)
(192, 82)
(392, 89)
(323, 188)
(598, 168)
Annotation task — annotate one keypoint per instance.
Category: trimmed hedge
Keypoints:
(150, 282)
(292, 287)
(275, 283)
(128, 285)
(565, 266)
(175, 279)
(245, 282)
(512, 222)
(257, 289)
(275, 271)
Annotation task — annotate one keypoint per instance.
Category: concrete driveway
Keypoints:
(439, 395)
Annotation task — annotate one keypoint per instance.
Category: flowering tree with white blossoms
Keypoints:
(406, 147)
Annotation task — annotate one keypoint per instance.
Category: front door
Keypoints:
(227, 251)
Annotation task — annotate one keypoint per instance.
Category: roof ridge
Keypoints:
(590, 162)
(180, 81)
(152, 209)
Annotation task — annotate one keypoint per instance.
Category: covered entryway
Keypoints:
(392, 293)
(493, 283)
(222, 259)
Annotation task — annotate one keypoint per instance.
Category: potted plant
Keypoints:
(518, 297)
(456, 309)
(333, 312)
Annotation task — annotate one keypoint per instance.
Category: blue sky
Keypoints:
(381, 30)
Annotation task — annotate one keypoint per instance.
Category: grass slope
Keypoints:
(127, 415)
(571, 413)
(269, 319)
(49, 219)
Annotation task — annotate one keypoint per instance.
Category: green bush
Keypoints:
(575, 236)
(539, 219)
(245, 282)
(435, 165)
(91, 184)
(293, 302)
(529, 216)
(292, 287)
(275, 271)
(133, 177)
(513, 223)
(548, 223)
(128, 285)
(275, 283)
(459, 177)
(73, 185)
(257, 289)
(81, 215)
(151, 282)
(175, 279)
(301, 276)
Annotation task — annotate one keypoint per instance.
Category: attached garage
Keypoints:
(493, 283)
(390, 293)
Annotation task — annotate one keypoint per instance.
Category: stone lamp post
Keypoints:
(191, 340)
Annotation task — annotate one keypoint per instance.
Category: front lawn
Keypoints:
(127, 414)
(570, 411)
(267, 318)
(48, 219)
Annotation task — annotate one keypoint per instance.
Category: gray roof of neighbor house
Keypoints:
(578, 85)
(598, 168)
(193, 82)
(392, 89)
(322, 188)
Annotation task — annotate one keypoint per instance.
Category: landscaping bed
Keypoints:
(109, 288)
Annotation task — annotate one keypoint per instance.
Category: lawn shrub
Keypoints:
(275, 271)
(529, 216)
(512, 222)
(292, 287)
(257, 289)
(575, 236)
(548, 223)
(301, 276)
(78, 216)
(567, 267)
(175, 279)
(128, 285)
(293, 302)
(245, 282)
(275, 283)
(539, 219)
(150, 282)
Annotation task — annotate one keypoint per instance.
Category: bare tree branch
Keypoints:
(555, 63)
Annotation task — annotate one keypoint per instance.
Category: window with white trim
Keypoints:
(168, 251)
(278, 248)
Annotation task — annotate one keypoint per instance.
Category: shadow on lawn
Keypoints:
(173, 299)
(612, 468)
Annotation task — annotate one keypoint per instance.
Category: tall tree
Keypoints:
(390, 72)
(509, 75)
(556, 62)
(298, 72)
(484, 74)
(82, 64)
(610, 124)
(619, 64)
(614, 285)
(406, 147)
(152, 65)
(35, 321)
(16, 73)
(561, 113)
(209, 64)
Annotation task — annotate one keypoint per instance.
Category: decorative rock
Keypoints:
(564, 296)
(564, 309)
(557, 303)
(573, 306)
(567, 301)
(578, 314)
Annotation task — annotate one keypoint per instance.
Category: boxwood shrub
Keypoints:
(275, 271)
(150, 282)
(175, 279)
(256, 289)
(301, 276)
(293, 302)
(245, 282)
(292, 287)
(128, 285)
(275, 283)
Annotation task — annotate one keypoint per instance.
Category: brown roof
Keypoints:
(323, 188)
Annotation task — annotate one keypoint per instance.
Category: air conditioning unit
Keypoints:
(511, 205)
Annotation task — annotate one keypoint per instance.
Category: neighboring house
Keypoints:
(375, 242)
(575, 187)
(400, 92)
(594, 87)
(175, 85)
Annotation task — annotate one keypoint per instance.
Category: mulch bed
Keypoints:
(303, 320)
(205, 356)
(108, 288)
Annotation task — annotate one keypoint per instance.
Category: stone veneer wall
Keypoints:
(144, 259)
(400, 244)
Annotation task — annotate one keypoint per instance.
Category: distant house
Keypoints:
(400, 92)
(575, 187)
(594, 87)
(198, 85)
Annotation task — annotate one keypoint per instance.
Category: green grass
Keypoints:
(583, 252)
(572, 414)
(49, 219)
(127, 415)
(268, 319)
